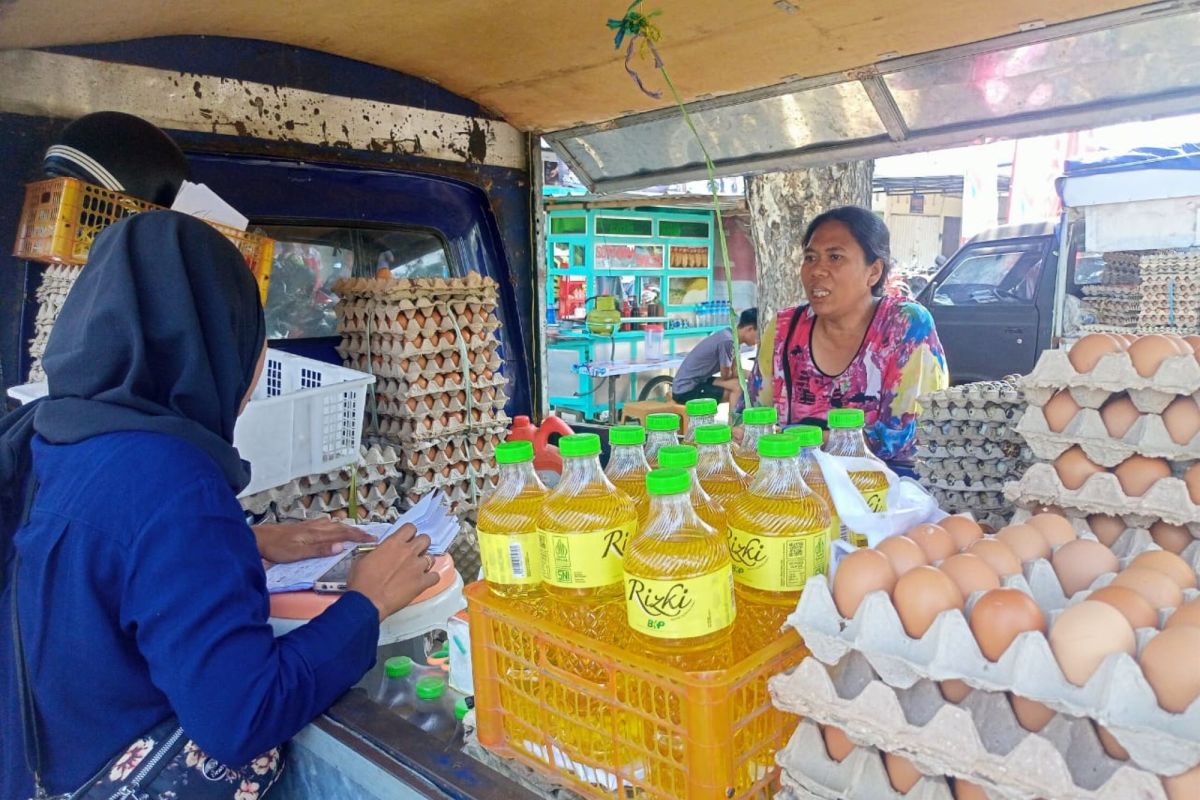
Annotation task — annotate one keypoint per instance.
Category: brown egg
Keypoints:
(1085, 353)
(1119, 415)
(1149, 352)
(998, 556)
(1168, 564)
(934, 540)
(970, 573)
(1193, 342)
(1172, 538)
(837, 743)
(1080, 562)
(964, 530)
(1106, 527)
(1074, 468)
(1169, 662)
(1138, 473)
(954, 690)
(1025, 541)
(1192, 479)
(1032, 715)
(1184, 786)
(903, 552)
(1085, 634)
(1186, 614)
(901, 772)
(1000, 616)
(1060, 410)
(920, 595)
(1132, 605)
(1182, 419)
(1056, 528)
(965, 790)
(1110, 744)
(1158, 589)
(860, 573)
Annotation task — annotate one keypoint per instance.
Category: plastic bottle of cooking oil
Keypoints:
(701, 411)
(507, 526)
(662, 431)
(627, 465)
(846, 439)
(778, 537)
(810, 438)
(708, 508)
(756, 422)
(716, 470)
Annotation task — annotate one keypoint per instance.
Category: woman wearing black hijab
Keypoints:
(140, 592)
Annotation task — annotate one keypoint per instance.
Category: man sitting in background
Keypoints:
(707, 371)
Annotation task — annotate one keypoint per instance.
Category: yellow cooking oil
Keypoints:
(701, 411)
(779, 533)
(679, 604)
(811, 438)
(716, 470)
(583, 529)
(707, 507)
(846, 439)
(756, 423)
(627, 465)
(662, 430)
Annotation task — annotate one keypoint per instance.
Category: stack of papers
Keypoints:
(431, 516)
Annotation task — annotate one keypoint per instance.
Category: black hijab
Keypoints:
(162, 333)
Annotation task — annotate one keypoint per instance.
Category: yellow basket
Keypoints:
(62, 217)
(661, 732)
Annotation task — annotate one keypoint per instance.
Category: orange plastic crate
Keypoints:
(62, 217)
(660, 732)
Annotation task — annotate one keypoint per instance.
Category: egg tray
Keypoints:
(970, 470)
(481, 363)
(406, 430)
(400, 325)
(1148, 437)
(983, 501)
(462, 472)
(978, 739)
(471, 283)
(401, 345)
(337, 499)
(965, 485)
(1135, 538)
(979, 394)
(1004, 414)
(366, 514)
(1117, 291)
(411, 305)
(376, 463)
(436, 378)
(1101, 493)
(967, 433)
(439, 453)
(1113, 374)
(437, 405)
(987, 451)
(1117, 695)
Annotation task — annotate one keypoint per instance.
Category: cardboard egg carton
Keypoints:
(978, 739)
(378, 513)
(980, 394)
(437, 406)
(447, 383)
(986, 451)
(371, 494)
(485, 363)
(1135, 538)
(400, 344)
(1147, 437)
(472, 283)
(984, 501)
(1003, 414)
(966, 484)
(969, 433)
(1113, 374)
(414, 375)
(1117, 694)
(363, 318)
(1102, 494)
(463, 475)
(971, 469)
(425, 456)
(454, 424)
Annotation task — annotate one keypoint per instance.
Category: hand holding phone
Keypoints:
(395, 572)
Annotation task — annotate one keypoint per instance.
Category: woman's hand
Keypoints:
(393, 574)
(295, 541)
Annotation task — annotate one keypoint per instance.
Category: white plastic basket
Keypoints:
(305, 417)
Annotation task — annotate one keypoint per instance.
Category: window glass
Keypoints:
(568, 224)
(987, 276)
(624, 226)
(406, 253)
(683, 229)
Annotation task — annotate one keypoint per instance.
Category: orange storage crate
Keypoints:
(660, 732)
(62, 217)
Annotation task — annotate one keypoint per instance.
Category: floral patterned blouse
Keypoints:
(899, 360)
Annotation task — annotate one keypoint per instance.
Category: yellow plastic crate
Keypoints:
(660, 732)
(62, 217)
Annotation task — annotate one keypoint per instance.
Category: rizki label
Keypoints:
(778, 563)
(511, 559)
(585, 560)
(684, 608)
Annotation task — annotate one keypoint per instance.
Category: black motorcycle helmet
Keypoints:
(122, 153)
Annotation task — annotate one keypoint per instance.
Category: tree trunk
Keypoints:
(781, 205)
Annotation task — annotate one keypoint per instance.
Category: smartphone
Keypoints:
(335, 578)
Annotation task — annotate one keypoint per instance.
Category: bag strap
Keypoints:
(797, 312)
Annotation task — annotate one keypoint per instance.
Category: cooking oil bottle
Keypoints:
(810, 438)
(716, 470)
(663, 431)
(627, 465)
(701, 411)
(756, 422)
(778, 538)
(684, 457)
(508, 530)
(846, 439)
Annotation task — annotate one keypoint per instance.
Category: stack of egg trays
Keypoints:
(1114, 374)
(57, 280)
(1171, 290)
(870, 678)
(327, 495)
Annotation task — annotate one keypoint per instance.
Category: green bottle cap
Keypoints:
(517, 452)
(579, 445)
(430, 687)
(662, 422)
(701, 407)
(627, 434)
(760, 415)
(806, 435)
(778, 445)
(668, 481)
(846, 418)
(681, 456)
(461, 709)
(398, 667)
(714, 434)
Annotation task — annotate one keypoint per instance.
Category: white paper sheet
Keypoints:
(200, 201)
